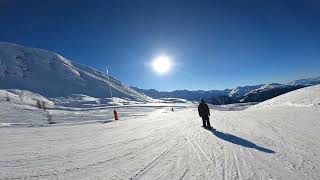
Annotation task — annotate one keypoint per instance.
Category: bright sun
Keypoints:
(162, 64)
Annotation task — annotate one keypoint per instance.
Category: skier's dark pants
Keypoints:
(204, 120)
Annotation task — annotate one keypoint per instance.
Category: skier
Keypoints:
(204, 113)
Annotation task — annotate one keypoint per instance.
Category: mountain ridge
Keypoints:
(52, 75)
(239, 94)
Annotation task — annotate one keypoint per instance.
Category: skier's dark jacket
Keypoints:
(203, 109)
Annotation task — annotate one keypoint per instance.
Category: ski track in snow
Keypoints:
(161, 144)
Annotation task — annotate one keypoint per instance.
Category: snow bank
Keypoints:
(23, 97)
(84, 101)
(305, 97)
(21, 108)
(174, 100)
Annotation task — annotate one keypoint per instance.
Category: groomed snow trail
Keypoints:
(254, 144)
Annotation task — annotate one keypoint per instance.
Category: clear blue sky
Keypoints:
(215, 44)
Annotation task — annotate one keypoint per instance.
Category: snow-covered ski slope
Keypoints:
(52, 75)
(309, 96)
(265, 142)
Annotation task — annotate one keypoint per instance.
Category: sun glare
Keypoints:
(161, 64)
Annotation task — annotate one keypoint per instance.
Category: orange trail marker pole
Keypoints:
(115, 113)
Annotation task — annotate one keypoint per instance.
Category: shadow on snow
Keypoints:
(239, 141)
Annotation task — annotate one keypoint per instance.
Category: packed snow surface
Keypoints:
(152, 142)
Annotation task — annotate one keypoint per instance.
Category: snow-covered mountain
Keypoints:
(52, 75)
(240, 91)
(214, 96)
(255, 93)
(269, 91)
(307, 81)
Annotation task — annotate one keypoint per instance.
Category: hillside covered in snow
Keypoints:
(306, 97)
(23, 108)
(52, 75)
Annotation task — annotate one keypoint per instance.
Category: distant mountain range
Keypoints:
(255, 93)
(52, 75)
